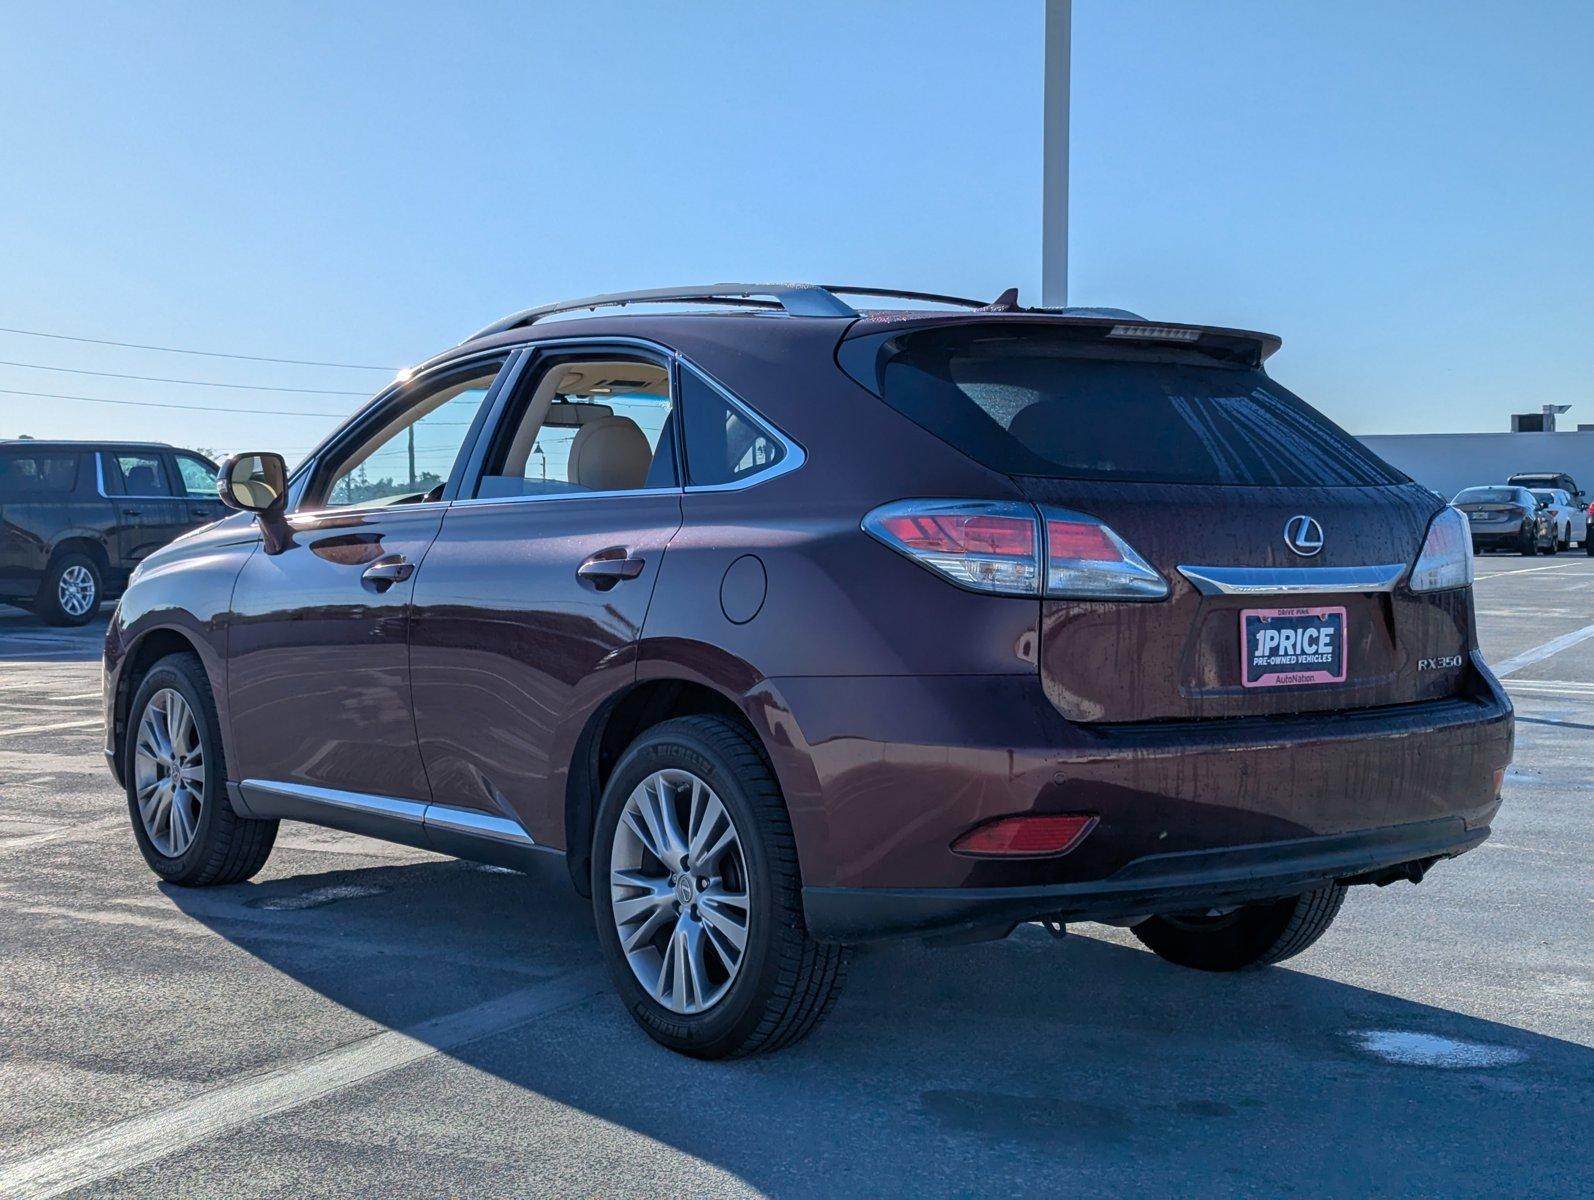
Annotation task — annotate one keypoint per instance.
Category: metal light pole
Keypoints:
(1054, 168)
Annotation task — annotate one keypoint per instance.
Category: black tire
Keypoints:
(1588, 542)
(1528, 543)
(786, 981)
(226, 848)
(1255, 935)
(1551, 544)
(1565, 541)
(48, 604)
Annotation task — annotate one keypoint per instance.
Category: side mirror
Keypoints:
(257, 482)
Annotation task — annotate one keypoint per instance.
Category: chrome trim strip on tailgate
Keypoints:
(1275, 581)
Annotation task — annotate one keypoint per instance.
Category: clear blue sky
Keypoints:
(1404, 191)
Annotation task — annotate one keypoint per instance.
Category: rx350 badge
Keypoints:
(1448, 662)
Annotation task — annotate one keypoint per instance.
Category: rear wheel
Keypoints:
(1565, 542)
(1588, 542)
(1253, 935)
(698, 899)
(176, 782)
(70, 592)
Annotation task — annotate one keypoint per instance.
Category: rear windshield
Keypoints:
(1038, 402)
(1488, 495)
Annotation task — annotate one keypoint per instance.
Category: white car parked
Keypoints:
(1571, 521)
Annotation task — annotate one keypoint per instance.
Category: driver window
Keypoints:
(408, 459)
(586, 425)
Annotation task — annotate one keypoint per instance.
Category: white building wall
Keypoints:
(1448, 462)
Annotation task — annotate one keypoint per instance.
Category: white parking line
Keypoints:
(97, 722)
(131, 1143)
(1523, 571)
(1539, 653)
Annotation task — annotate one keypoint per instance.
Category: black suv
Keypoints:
(76, 518)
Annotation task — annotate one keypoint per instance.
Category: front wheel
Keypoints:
(698, 899)
(177, 779)
(1588, 543)
(1253, 935)
(1528, 543)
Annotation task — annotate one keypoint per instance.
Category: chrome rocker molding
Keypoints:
(462, 832)
(1277, 581)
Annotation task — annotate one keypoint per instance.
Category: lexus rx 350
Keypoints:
(791, 626)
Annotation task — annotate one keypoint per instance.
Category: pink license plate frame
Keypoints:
(1295, 621)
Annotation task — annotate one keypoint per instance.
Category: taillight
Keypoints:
(986, 545)
(1085, 560)
(1446, 558)
(1036, 835)
(1006, 548)
(1514, 510)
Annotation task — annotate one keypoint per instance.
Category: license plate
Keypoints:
(1282, 647)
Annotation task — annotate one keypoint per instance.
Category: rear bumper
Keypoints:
(882, 775)
(1154, 883)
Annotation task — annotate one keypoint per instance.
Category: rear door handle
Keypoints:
(608, 567)
(132, 512)
(385, 572)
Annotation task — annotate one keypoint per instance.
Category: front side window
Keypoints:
(408, 458)
(585, 425)
(25, 476)
(136, 474)
(723, 443)
(198, 476)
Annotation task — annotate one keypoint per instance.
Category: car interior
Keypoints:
(588, 426)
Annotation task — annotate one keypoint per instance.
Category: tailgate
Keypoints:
(1181, 658)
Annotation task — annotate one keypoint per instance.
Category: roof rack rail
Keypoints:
(798, 299)
(842, 289)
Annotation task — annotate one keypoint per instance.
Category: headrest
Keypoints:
(610, 454)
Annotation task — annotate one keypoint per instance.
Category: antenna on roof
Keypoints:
(1006, 302)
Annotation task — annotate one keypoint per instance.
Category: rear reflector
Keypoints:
(1036, 836)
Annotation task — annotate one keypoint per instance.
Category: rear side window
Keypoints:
(26, 476)
(136, 474)
(1038, 402)
(724, 444)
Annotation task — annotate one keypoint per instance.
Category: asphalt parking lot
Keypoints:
(365, 1019)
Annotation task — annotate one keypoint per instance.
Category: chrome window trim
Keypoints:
(1281, 581)
(313, 518)
(794, 457)
(791, 460)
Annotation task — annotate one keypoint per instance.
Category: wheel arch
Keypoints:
(142, 654)
(676, 678)
(90, 547)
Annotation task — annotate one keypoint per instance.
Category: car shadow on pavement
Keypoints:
(26, 639)
(1015, 1067)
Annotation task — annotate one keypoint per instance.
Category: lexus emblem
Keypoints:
(1303, 535)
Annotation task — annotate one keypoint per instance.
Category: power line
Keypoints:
(298, 362)
(271, 412)
(247, 387)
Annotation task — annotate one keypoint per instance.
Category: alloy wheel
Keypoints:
(169, 772)
(75, 591)
(678, 890)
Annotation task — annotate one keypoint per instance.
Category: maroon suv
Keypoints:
(791, 626)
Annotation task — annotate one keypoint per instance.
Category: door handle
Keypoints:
(385, 572)
(132, 512)
(608, 567)
(199, 510)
